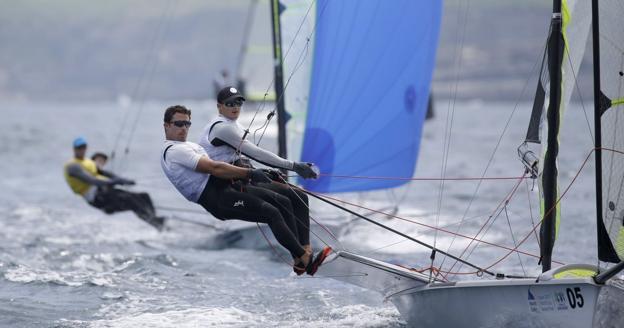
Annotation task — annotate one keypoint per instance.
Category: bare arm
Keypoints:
(221, 169)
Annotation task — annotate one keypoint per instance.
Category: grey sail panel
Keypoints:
(612, 121)
(533, 132)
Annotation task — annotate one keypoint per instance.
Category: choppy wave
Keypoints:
(66, 264)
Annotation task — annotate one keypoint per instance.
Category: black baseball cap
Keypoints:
(228, 94)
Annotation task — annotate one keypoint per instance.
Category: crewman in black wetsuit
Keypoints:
(222, 139)
(224, 189)
(97, 187)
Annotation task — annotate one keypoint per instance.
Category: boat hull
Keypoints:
(505, 303)
(549, 302)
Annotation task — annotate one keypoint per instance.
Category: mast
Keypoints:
(606, 252)
(549, 176)
(279, 77)
(597, 114)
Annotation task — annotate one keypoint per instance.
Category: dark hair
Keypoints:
(98, 154)
(176, 109)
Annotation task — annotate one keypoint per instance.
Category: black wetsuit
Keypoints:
(231, 199)
(261, 203)
(222, 137)
(111, 200)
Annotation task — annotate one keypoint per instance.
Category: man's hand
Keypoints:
(275, 175)
(305, 170)
(258, 176)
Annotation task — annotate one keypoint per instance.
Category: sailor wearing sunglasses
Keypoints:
(222, 188)
(222, 139)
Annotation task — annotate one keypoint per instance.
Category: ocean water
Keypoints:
(65, 264)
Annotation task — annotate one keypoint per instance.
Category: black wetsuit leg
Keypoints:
(112, 200)
(228, 201)
(299, 201)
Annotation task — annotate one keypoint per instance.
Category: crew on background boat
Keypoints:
(97, 186)
(223, 140)
(100, 159)
(223, 189)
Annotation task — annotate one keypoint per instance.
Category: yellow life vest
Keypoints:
(78, 186)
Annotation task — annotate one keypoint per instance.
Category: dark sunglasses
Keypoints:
(235, 103)
(181, 123)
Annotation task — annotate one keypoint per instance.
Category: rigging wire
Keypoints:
(496, 147)
(138, 87)
(419, 223)
(298, 64)
(578, 92)
(133, 128)
(325, 197)
(489, 222)
(421, 179)
(589, 127)
(309, 226)
(450, 113)
(531, 210)
(278, 97)
(556, 203)
(513, 238)
(447, 227)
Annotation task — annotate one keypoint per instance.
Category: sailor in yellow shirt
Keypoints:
(97, 187)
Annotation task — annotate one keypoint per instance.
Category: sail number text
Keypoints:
(574, 297)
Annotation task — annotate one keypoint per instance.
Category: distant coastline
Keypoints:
(76, 51)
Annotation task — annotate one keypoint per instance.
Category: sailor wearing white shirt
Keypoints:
(223, 140)
(207, 182)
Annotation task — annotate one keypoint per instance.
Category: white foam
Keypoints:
(25, 274)
(191, 318)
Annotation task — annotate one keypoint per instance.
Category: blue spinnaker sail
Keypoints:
(371, 75)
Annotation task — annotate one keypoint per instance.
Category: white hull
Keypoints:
(567, 302)
(504, 303)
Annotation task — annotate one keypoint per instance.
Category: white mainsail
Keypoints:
(612, 87)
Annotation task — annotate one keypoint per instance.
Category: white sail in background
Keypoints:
(256, 68)
(297, 22)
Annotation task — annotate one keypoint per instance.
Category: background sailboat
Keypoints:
(343, 91)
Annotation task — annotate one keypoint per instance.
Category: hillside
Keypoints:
(72, 50)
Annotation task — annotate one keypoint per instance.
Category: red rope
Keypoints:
(273, 247)
(313, 219)
(472, 239)
(417, 179)
(428, 226)
(554, 206)
(505, 201)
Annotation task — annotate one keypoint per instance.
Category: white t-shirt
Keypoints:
(178, 160)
